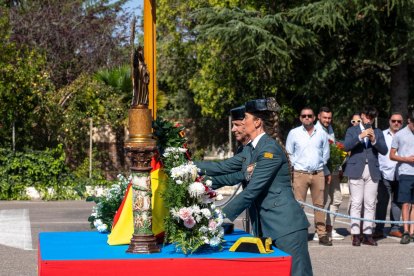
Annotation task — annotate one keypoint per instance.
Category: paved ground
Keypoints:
(21, 222)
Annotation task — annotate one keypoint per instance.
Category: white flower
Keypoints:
(205, 199)
(206, 212)
(175, 212)
(219, 217)
(214, 241)
(102, 228)
(175, 150)
(179, 182)
(203, 229)
(97, 222)
(212, 206)
(206, 241)
(219, 197)
(195, 209)
(94, 214)
(221, 231)
(166, 154)
(219, 221)
(176, 156)
(196, 189)
(198, 218)
(218, 213)
(185, 172)
(209, 183)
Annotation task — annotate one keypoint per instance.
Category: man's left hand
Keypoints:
(328, 179)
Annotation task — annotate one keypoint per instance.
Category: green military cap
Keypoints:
(253, 245)
(268, 104)
(237, 113)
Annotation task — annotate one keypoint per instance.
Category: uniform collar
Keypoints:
(256, 140)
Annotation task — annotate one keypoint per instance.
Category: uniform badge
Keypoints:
(268, 155)
(250, 168)
(243, 159)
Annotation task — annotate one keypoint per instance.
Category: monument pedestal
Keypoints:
(143, 244)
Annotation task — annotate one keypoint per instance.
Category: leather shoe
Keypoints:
(397, 234)
(356, 241)
(325, 241)
(370, 241)
(379, 234)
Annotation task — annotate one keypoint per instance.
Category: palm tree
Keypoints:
(120, 79)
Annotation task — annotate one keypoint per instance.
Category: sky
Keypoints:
(135, 3)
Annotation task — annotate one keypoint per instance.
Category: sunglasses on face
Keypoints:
(396, 121)
(355, 121)
(306, 115)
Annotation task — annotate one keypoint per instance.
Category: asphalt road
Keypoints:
(22, 221)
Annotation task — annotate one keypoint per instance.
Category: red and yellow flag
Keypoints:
(123, 227)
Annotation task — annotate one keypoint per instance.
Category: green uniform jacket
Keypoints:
(269, 190)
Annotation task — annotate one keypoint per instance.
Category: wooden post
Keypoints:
(150, 52)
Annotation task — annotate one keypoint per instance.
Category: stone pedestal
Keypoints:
(143, 244)
(140, 148)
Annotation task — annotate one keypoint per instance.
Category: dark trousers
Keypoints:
(387, 189)
(296, 245)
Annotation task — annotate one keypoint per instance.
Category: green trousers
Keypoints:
(296, 245)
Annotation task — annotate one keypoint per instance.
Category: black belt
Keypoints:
(309, 172)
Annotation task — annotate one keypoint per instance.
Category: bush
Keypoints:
(40, 169)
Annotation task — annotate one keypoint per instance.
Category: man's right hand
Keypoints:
(410, 159)
(365, 133)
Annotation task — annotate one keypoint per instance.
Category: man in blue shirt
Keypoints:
(308, 148)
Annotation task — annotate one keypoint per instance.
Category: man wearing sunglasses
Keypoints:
(388, 185)
(365, 143)
(308, 148)
(403, 143)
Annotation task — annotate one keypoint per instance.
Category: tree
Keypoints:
(255, 50)
(377, 36)
(25, 86)
(343, 54)
(78, 36)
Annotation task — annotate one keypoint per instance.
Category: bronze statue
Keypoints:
(139, 72)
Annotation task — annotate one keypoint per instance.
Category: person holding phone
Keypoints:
(364, 142)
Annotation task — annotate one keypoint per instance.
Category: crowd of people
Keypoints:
(379, 165)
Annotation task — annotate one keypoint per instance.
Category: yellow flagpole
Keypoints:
(150, 52)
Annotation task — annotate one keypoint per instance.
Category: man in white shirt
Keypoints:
(403, 143)
(388, 185)
(308, 148)
(332, 180)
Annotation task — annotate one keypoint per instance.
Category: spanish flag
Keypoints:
(123, 227)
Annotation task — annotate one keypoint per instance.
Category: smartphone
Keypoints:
(367, 126)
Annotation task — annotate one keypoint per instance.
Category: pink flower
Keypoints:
(212, 224)
(360, 16)
(185, 213)
(190, 222)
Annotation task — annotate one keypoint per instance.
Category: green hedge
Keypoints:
(39, 169)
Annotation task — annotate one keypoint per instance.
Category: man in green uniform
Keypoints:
(237, 116)
(264, 166)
